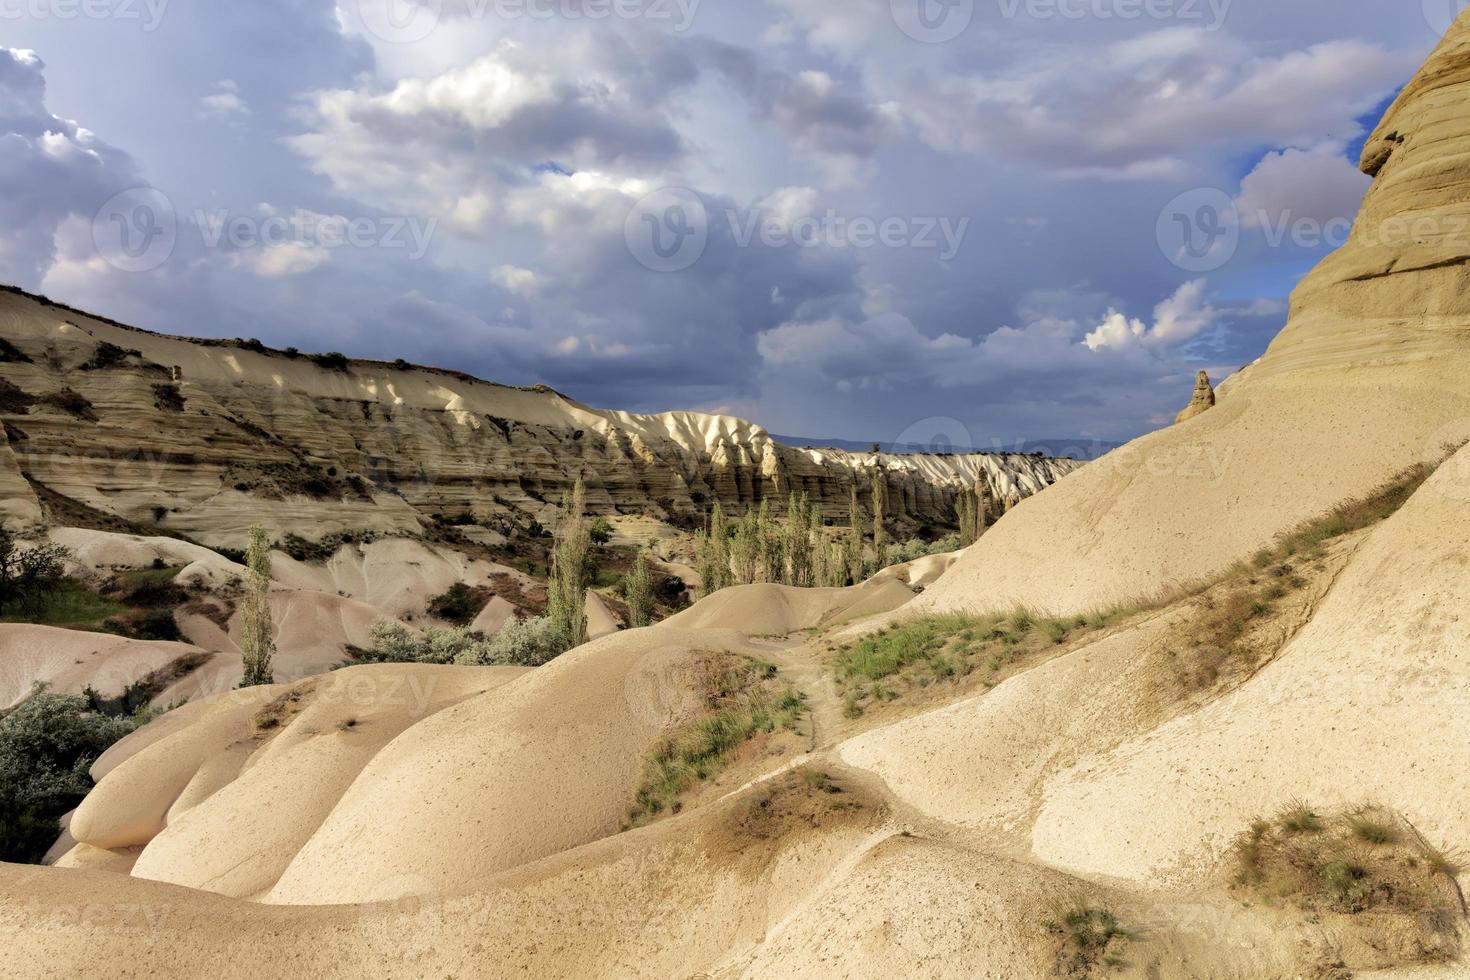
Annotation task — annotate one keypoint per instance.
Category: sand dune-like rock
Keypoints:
(775, 610)
(100, 552)
(228, 842)
(251, 436)
(69, 661)
(1373, 691)
(397, 577)
(534, 768)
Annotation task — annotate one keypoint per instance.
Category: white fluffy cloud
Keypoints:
(1182, 317)
(50, 170)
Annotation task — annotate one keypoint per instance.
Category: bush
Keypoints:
(330, 361)
(9, 353)
(158, 624)
(166, 398)
(108, 356)
(460, 605)
(47, 744)
(521, 643)
(29, 578)
(526, 643)
(600, 530)
(13, 400)
(72, 403)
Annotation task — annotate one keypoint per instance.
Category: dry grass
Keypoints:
(744, 699)
(1366, 865)
(1223, 646)
(1090, 936)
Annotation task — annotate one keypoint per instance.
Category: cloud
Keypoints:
(522, 282)
(52, 169)
(1318, 183)
(1140, 107)
(531, 140)
(1181, 317)
(281, 260)
(225, 103)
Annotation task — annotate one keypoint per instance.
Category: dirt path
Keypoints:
(799, 663)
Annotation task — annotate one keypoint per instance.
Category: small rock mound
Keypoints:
(1203, 400)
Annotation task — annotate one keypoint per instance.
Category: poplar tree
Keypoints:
(880, 496)
(638, 591)
(257, 634)
(566, 605)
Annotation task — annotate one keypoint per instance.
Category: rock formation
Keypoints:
(231, 433)
(1366, 379)
(1203, 400)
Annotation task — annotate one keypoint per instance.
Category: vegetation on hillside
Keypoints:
(1089, 936)
(47, 744)
(257, 634)
(1365, 863)
(744, 699)
(571, 571)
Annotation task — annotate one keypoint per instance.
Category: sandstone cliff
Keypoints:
(204, 438)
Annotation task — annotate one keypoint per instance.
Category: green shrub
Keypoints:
(460, 605)
(520, 643)
(600, 530)
(30, 579)
(525, 643)
(47, 744)
(744, 699)
(330, 361)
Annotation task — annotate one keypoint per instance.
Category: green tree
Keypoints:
(47, 744)
(797, 538)
(257, 634)
(638, 590)
(745, 549)
(28, 577)
(714, 554)
(600, 530)
(772, 553)
(567, 596)
(880, 498)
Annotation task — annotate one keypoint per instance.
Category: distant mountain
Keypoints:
(1073, 448)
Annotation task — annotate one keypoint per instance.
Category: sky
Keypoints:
(978, 222)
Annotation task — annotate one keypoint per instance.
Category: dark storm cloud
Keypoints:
(526, 145)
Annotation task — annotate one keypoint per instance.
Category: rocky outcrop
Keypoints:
(204, 438)
(1203, 400)
(18, 505)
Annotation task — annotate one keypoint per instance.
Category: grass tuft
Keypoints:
(1366, 860)
(744, 699)
(1090, 935)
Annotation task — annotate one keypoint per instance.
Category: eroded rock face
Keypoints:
(205, 438)
(1203, 400)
